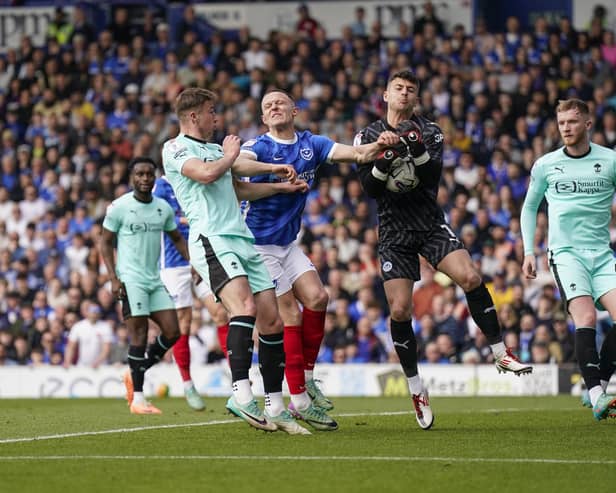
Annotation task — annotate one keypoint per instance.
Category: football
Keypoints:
(401, 174)
(162, 390)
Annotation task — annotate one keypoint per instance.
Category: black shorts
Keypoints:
(400, 257)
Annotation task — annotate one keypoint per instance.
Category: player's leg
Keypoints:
(272, 361)
(178, 281)
(217, 312)
(312, 295)
(164, 314)
(135, 311)
(400, 268)
(446, 253)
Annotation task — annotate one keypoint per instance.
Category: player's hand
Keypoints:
(231, 147)
(385, 159)
(285, 172)
(412, 138)
(388, 139)
(529, 267)
(118, 290)
(297, 186)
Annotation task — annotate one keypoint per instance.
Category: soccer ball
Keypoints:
(162, 390)
(401, 174)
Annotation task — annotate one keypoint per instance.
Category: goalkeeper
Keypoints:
(413, 224)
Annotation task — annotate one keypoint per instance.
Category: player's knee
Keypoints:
(585, 320)
(319, 300)
(270, 325)
(401, 311)
(470, 280)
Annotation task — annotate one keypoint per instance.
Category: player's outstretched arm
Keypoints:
(365, 153)
(255, 191)
(246, 165)
(179, 242)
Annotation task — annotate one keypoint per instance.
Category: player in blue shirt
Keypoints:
(275, 222)
(175, 272)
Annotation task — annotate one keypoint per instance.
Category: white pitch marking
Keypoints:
(377, 458)
(237, 421)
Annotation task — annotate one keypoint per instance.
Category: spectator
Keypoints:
(89, 341)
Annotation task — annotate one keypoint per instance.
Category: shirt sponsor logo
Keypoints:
(588, 187)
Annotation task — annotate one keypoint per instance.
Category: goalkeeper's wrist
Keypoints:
(378, 174)
(421, 159)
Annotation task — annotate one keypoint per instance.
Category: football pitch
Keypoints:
(516, 444)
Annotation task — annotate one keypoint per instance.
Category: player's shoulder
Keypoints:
(428, 126)
(602, 151)
(160, 202)
(551, 157)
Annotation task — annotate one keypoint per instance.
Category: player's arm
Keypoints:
(528, 219)
(364, 153)
(209, 172)
(255, 191)
(247, 165)
(179, 242)
(106, 248)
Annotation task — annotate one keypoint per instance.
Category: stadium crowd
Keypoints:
(74, 112)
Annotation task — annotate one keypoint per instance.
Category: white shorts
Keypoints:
(285, 264)
(179, 284)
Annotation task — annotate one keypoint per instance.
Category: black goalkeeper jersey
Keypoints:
(400, 214)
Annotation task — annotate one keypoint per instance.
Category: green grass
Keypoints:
(519, 445)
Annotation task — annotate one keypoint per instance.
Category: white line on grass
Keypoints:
(234, 421)
(356, 458)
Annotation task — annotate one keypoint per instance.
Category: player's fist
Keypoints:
(385, 159)
(412, 138)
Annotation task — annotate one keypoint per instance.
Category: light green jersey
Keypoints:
(211, 209)
(138, 226)
(579, 192)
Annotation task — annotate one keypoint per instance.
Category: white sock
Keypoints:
(415, 385)
(604, 384)
(242, 392)
(498, 348)
(274, 404)
(301, 401)
(308, 375)
(595, 393)
(188, 384)
(138, 398)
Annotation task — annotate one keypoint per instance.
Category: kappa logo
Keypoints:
(306, 154)
(597, 168)
(387, 266)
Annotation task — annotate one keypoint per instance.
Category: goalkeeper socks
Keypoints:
(157, 350)
(294, 359)
(181, 353)
(222, 331)
(313, 329)
(587, 356)
(482, 310)
(272, 361)
(607, 357)
(137, 365)
(240, 346)
(406, 346)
